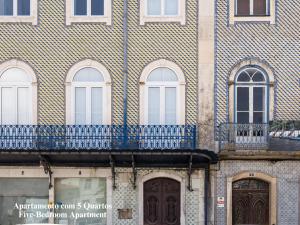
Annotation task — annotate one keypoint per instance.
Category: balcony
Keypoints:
(97, 137)
(276, 136)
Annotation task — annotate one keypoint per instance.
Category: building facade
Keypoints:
(257, 109)
(99, 113)
(179, 112)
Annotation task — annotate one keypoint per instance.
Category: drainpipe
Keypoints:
(125, 71)
(206, 187)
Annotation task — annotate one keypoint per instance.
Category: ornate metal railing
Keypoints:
(233, 136)
(278, 135)
(85, 137)
(285, 129)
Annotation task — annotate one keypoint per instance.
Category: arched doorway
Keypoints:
(162, 202)
(250, 202)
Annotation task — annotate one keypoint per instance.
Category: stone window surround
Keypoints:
(233, 19)
(161, 174)
(181, 17)
(33, 18)
(14, 63)
(181, 89)
(71, 18)
(38, 172)
(231, 86)
(69, 95)
(254, 175)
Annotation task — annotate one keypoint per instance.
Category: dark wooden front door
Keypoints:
(250, 202)
(162, 202)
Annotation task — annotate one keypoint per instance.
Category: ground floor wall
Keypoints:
(92, 187)
(282, 176)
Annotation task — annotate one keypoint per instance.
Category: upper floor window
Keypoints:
(18, 11)
(15, 8)
(162, 11)
(88, 7)
(88, 94)
(162, 94)
(251, 96)
(252, 10)
(162, 7)
(17, 94)
(81, 11)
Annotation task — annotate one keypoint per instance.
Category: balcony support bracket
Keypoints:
(190, 171)
(44, 162)
(113, 171)
(134, 171)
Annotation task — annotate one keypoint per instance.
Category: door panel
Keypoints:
(250, 202)
(162, 202)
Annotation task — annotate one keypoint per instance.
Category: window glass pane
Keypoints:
(258, 77)
(258, 117)
(6, 7)
(24, 7)
(98, 7)
(23, 191)
(87, 191)
(162, 74)
(15, 75)
(258, 99)
(259, 7)
(243, 7)
(243, 77)
(88, 75)
(80, 106)
(154, 106)
(242, 117)
(170, 116)
(171, 7)
(8, 106)
(80, 7)
(97, 106)
(23, 106)
(154, 7)
(242, 99)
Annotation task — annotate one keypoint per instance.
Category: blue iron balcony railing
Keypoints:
(277, 135)
(101, 137)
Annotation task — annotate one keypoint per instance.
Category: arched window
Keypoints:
(250, 202)
(17, 94)
(88, 94)
(162, 99)
(251, 96)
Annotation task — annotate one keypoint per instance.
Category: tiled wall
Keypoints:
(287, 174)
(277, 45)
(51, 48)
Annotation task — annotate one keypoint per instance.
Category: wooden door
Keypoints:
(250, 202)
(162, 202)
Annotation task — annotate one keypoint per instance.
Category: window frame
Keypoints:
(70, 90)
(89, 18)
(31, 85)
(234, 18)
(250, 85)
(268, 72)
(162, 18)
(162, 91)
(251, 8)
(88, 88)
(180, 92)
(15, 18)
(15, 86)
